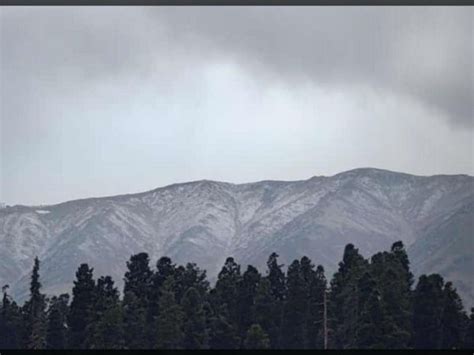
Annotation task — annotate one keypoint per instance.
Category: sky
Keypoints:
(98, 101)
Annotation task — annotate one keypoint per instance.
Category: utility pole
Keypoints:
(325, 320)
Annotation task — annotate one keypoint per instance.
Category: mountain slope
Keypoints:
(206, 221)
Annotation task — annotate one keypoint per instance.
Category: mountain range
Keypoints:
(207, 221)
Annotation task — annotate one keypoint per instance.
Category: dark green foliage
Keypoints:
(164, 269)
(294, 309)
(369, 305)
(227, 290)
(11, 323)
(277, 282)
(344, 299)
(394, 279)
(106, 327)
(56, 335)
(276, 277)
(82, 306)
(138, 277)
(134, 322)
(170, 318)
(223, 334)
(256, 338)
(247, 290)
(453, 319)
(264, 308)
(427, 312)
(35, 313)
(469, 334)
(136, 301)
(317, 288)
(369, 318)
(195, 328)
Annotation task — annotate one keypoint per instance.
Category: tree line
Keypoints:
(368, 304)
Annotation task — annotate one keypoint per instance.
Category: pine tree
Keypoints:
(170, 318)
(256, 338)
(138, 277)
(247, 290)
(134, 322)
(293, 329)
(453, 319)
(106, 327)
(11, 323)
(315, 317)
(195, 331)
(277, 280)
(394, 280)
(343, 299)
(164, 269)
(35, 313)
(194, 277)
(56, 334)
(427, 312)
(223, 334)
(264, 307)
(369, 322)
(469, 334)
(276, 277)
(226, 290)
(137, 293)
(80, 311)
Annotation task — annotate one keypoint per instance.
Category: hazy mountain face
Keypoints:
(206, 221)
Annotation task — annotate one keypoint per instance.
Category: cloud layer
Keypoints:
(106, 100)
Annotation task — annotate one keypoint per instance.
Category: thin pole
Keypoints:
(325, 320)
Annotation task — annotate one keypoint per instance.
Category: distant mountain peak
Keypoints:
(205, 221)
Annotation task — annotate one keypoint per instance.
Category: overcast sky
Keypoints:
(107, 100)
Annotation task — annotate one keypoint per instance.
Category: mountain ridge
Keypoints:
(205, 221)
(233, 183)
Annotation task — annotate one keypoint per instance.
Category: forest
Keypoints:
(367, 304)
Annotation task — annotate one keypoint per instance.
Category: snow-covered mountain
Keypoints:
(207, 221)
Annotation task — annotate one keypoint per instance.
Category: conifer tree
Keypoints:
(369, 328)
(11, 323)
(247, 290)
(138, 277)
(82, 305)
(343, 300)
(106, 327)
(469, 334)
(293, 329)
(35, 313)
(453, 319)
(277, 280)
(394, 280)
(256, 338)
(264, 307)
(223, 334)
(427, 312)
(369, 306)
(226, 290)
(194, 277)
(195, 331)
(136, 302)
(164, 269)
(134, 322)
(170, 318)
(56, 334)
(315, 316)
(276, 277)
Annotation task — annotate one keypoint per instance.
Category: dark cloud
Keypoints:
(426, 53)
(90, 95)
